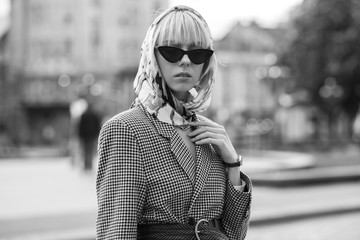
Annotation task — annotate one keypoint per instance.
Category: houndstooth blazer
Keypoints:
(147, 175)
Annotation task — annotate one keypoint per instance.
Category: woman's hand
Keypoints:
(210, 132)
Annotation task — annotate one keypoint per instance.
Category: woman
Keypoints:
(164, 171)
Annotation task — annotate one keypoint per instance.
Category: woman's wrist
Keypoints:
(234, 175)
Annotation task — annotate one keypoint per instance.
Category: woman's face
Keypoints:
(180, 76)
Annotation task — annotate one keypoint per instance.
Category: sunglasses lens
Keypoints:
(199, 56)
(171, 54)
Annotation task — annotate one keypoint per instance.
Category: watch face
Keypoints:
(240, 159)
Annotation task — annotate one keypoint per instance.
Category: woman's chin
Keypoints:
(182, 95)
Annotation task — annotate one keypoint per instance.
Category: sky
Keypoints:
(4, 7)
(4, 10)
(221, 14)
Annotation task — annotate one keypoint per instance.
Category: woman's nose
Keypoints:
(185, 60)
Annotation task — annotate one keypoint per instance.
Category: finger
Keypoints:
(204, 129)
(206, 135)
(212, 141)
(203, 123)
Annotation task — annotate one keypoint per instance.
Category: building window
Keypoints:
(128, 49)
(68, 18)
(97, 3)
(157, 6)
(68, 47)
(37, 13)
(128, 16)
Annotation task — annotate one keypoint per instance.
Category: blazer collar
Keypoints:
(164, 129)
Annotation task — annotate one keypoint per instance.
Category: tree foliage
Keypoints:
(324, 54)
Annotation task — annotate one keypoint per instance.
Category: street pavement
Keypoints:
(337, 226)
(49, 198)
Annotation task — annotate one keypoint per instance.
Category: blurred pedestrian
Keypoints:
(77, 108)
(89, 128)
(166, 172)
(356, 128)
(5, 142)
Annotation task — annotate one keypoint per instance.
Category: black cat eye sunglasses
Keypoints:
(174, 54)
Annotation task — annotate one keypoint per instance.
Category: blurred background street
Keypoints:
(47, 197)
(287, 91)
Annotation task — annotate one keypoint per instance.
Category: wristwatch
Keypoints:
(238, 163)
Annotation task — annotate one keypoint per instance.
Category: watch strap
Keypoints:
(238, 163)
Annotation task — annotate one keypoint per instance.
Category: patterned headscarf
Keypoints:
(152, 91)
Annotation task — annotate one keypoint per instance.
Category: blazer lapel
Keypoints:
(183, 155)
(178, 147)
(203, 168)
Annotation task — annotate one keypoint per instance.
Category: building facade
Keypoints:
(60, 50)
(250, 82)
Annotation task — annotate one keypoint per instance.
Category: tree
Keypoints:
(324, 55)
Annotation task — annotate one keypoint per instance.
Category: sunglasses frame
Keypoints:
(190, 53)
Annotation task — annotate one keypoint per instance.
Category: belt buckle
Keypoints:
(197, 226)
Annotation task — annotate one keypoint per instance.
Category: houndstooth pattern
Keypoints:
(147, 175)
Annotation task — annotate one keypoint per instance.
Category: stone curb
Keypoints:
(266, 220)
(308, 176)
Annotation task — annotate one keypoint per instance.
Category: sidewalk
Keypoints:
(48, 199)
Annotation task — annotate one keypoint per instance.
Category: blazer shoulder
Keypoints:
(133, 118)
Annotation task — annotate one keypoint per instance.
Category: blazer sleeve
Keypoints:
(120, 183)
(236, 212)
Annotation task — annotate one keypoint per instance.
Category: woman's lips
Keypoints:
(183, 75)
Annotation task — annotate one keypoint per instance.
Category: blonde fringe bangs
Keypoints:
(183, 27)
